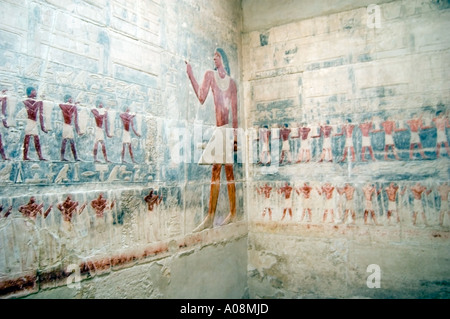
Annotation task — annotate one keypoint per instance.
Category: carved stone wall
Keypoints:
(73, 207)
(348, 150)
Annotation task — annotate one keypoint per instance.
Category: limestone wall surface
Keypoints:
(347, 116)
(110, 179)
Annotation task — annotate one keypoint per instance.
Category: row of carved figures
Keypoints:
(304, 133)
(69, 207)
(35, 123)
(347, 202)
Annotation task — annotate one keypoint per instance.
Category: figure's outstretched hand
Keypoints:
(188, 67)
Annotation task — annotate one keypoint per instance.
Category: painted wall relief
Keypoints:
(410, 204)
(374, 139)
(33, 128)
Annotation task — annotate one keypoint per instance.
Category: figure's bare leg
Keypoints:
(63, 150)
(74, 150)
(371, 153)
(231, 194)
(213, 196)
(104, 152)
(37, 144)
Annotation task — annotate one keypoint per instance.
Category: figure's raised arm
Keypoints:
(201, 91)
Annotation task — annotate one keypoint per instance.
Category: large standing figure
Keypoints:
(33, 107)
(224, 91)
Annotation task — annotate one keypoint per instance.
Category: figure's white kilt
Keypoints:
(220, 148)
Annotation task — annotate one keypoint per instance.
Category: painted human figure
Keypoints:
(349, 207)
(285, 146)
(391, 192)
(416, 124)
(327, 189)
(127, 120)
(152, 199)
(264, 140)
(34, 109)
(305, 144)
(101, 122)
(69, 112)
(444, 212)
(286, 191)
(32, 209)
(389, 128)
(68, 207)
(305, 190)
(325, 131)
(266, 190)
(224, 92)
(4, 103)
(100, 204)
(441, 122)
(366, 129)
(418, 190)
(369, 191)
(347, 131)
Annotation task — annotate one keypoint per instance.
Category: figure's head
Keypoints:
(68, 98)
(31, 91)
(220, 57)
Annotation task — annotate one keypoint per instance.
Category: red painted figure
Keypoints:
(286, 147)
(224, 92)
(4, 102)
(67, 208)
(152, 199)
(265, 190)
(33, 107)
(305, 144)
(417, 191)
(391, 192)
(100, 204)
(306, 191)
(347, 130)
(101, 121)
(286, 191)
(69, 112)
(389, 128)
(349, 208)
(328, 190)
(369, 190)
(325, 131)
(127, 120)
(416, 124)
(366, 128)
(32, 209)
(444, 211)
(441, 122)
